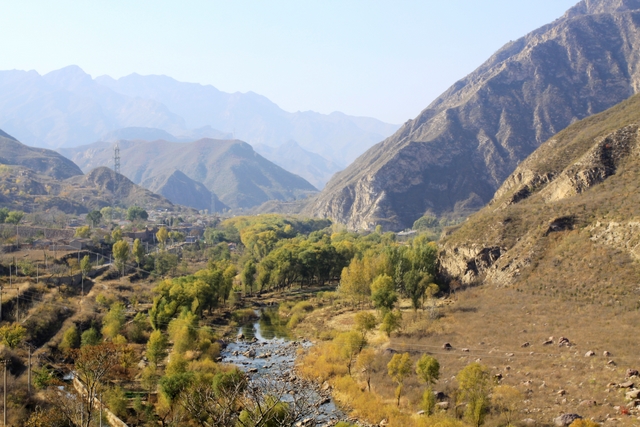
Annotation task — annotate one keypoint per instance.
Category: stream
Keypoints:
(266, 351)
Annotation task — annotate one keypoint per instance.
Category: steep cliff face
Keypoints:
(460, 149)
(573, 202)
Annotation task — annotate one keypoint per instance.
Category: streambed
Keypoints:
(267, 352)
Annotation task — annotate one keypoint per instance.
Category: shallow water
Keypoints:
(268, 350)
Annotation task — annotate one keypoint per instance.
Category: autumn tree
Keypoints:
(349, 345)
(399, 368)
(93, 366)
(162, 235)
(83, 232)
(12, 335)
(113, 321)
(354, 281)
(391, 322)
(364, 323)
(473, 389)
(121, 254)
(70, 339)
(138, 251)
(248, 276)
(365, 362)
(507, 401)
(116, 234)
(156, 347)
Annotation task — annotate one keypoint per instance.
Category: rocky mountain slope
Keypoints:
(292, 157)
(239, 176)
(457, 152)
(40, 160)
(567, 219)
(24, 189)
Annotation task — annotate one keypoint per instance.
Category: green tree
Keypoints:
(4, 212)
(383, 293)
(248, 276)
(365, 322)
(399, 368)
(138, 251)
(156, 347)
(14, 217)
(391, 322)
(90, 337)
(70, 339)
(426, 222)
(85, 269)
(428, 369)
(135, 213)
(12, 335)
(473, 388)
(121, 254)
(162, 235)
(94, 217)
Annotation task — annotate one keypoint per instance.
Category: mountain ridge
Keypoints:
(230, 169)
(457, 152)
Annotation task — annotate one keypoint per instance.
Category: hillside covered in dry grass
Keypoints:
(567, 220)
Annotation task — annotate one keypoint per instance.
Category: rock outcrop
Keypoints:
(581, 183)
(459, 150)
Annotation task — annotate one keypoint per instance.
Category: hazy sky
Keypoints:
(382, 58)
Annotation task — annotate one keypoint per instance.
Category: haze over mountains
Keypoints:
(230, 169)
(459, 150)
(66, 108)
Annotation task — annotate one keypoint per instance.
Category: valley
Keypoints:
(190, 257)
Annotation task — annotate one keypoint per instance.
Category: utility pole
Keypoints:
(18, 305)
(29, 372)
(4, 399)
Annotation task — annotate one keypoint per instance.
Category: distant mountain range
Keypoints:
(459, 150)
(228, 169)
(67, 108)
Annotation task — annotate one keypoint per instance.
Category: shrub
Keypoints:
(90, 337)
(70, 339)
